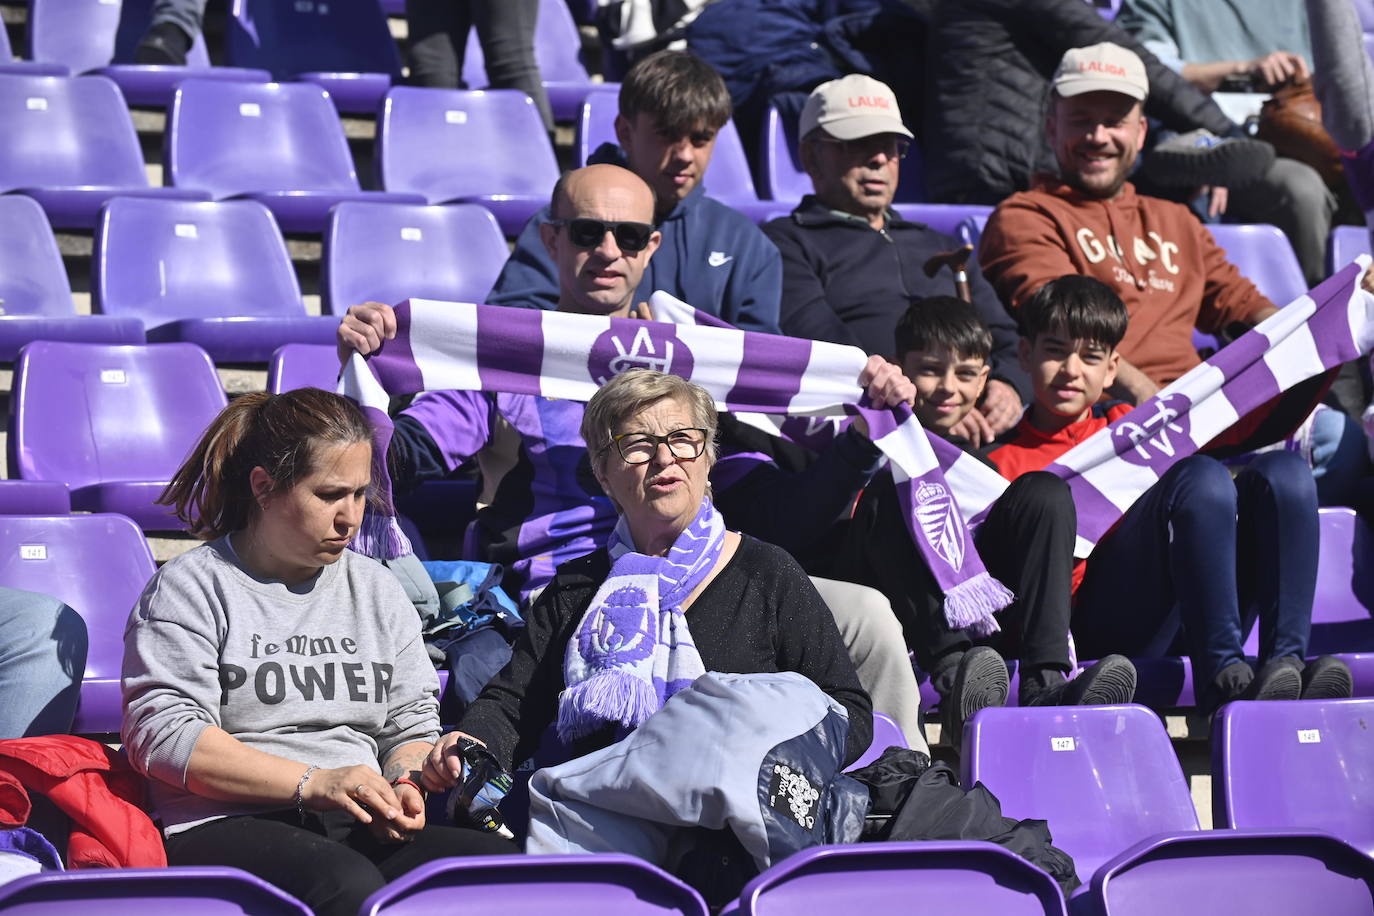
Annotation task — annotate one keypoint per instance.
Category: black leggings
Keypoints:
(330, 862)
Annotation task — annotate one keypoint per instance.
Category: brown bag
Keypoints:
(1292, 122)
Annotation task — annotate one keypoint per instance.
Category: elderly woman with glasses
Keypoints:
(673, 596)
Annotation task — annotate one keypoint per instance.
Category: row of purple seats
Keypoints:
(219, 274)
(1107, 777)
(1251, 872)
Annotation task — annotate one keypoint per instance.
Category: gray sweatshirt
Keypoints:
(332, 673)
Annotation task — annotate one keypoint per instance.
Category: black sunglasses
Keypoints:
(588, 233)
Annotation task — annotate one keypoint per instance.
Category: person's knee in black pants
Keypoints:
(1027, 542)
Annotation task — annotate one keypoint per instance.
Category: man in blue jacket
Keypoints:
(672, 105)
(852, 266)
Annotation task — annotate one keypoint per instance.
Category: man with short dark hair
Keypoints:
(852, 265)
(672, 105)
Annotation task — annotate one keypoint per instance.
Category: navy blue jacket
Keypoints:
(712, 257)
(847, 283)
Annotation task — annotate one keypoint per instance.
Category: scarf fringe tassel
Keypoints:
(381, 538)
(971, 604)
(607, 696)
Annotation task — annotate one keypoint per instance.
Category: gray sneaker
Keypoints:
(980, 681)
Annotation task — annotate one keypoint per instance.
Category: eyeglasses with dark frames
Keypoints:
(868, 147)
(640, 448)
(585, 232)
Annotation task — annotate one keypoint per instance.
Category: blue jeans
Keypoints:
(1200, 556)
(42, 659)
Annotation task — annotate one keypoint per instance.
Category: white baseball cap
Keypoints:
(852, 107)
(1104, 67)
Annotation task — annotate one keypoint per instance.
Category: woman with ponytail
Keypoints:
(277, 693)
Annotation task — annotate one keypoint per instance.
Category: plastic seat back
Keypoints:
(165, 260)
(605, 884)
(1233, 871)
(130, 413)
(33, 280)
(727, 175)
(886, 733)
(453, 144)
(98, 564)
(1347, 242)
(203, 890)
(1301, 764)
(86, 34)
(303, 366)
(946, 218)
(303, 36)
(1104, 777)
(234, 138)
(945, 876)
(1262, 254)
(391, 252)
(67, 132)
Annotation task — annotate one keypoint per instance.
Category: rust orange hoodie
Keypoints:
(1160, 260)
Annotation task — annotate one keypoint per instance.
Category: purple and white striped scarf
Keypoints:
(459, 346)
(633, 649)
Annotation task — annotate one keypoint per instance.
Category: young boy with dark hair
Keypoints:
(1026, 542)
(1199, 555)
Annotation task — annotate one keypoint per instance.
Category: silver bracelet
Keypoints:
(300, 788)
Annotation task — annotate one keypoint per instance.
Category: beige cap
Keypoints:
(1104, 67)
(851, 107)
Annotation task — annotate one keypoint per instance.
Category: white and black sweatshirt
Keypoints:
(332, 672)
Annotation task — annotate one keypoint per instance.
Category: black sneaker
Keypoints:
(1327, 678)
(165, 44)
(1110, 681)
(1200, 158)
(1277, 679)
(980, 681)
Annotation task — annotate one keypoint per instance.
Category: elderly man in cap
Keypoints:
(852, 266)
(1164, 264)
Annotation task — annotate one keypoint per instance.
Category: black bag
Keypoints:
(913, 799)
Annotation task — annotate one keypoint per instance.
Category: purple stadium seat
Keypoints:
(1341, 607)
(946, 218)
(451, 145)
(34, 497)
(8, 63)
(606, 884)
(392, 252)
(1346, 243)
(781, 176)
(101, 37)
(277, 143)
(1255, 872)
(98, 564)
(1104, 777)
(198, 889)
(343, 45)
(303, 366)
(970, 229)
(1107, 8)
(556, 47)
(1304, 764)
(1261, 252)
(886, 733)
(35, 297)
(130, 416)
(213, 274)
(70, 145)
(937, 876)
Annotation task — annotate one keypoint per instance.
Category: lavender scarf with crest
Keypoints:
(458, 346)
(633, 650)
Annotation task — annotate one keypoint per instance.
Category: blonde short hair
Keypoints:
(631, 392)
